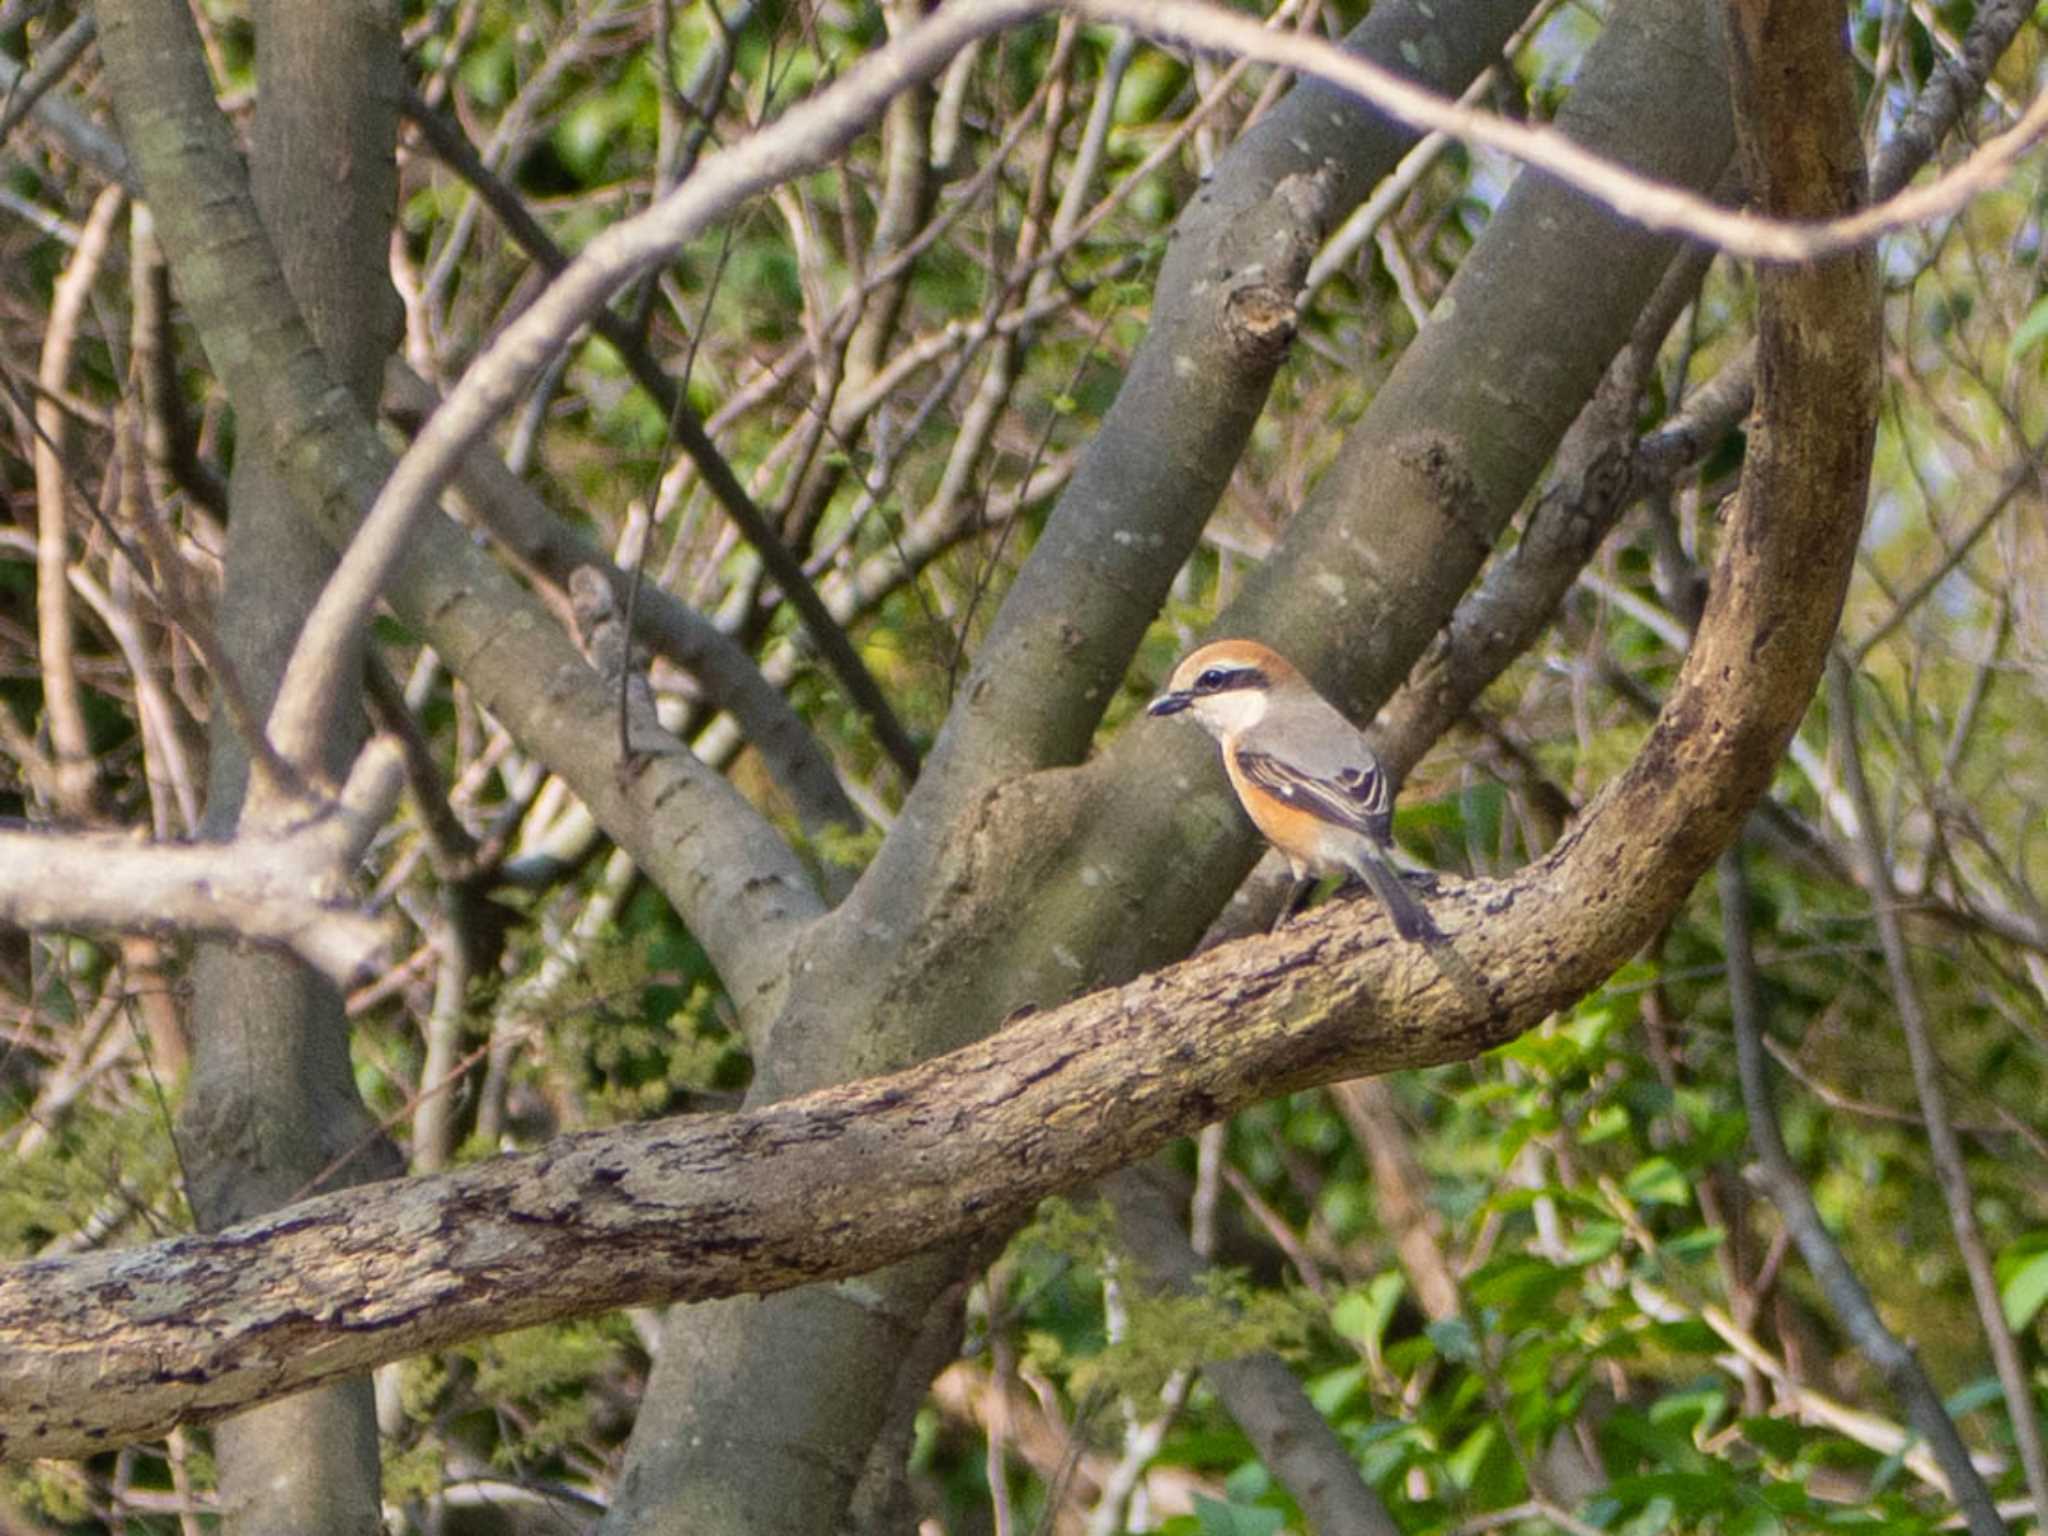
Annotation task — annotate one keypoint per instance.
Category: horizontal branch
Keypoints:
(117, 1346)
(111, 1347)
(288, 888)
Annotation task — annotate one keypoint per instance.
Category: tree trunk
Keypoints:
(271, 1112)
(998, 891)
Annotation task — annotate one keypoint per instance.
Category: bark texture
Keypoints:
(990, 893)
(271, 1108)
(1014, 883)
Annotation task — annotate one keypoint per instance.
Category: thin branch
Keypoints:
(1652, 204)
(167, 438)
(82, 138)
(2025, 474)
(1953, 89)
(1950, 91)
(1367, 218)
(287, 888)
(52, 65)
(1265, 1398)
(1942, 1142)
(1780, 1181)
(1593, 484)
(537, 538)
(75, 789)
(453, 149)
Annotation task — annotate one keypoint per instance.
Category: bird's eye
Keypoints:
(1212, 678)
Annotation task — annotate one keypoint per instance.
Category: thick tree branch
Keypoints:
(288, 886)
(1222, 319)
(847, 1178)
(544, 543)
(117, 1346)
(735, 882)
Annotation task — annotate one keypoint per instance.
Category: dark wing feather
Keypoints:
(1355, 797)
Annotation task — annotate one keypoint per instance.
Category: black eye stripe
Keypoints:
(1225, 679)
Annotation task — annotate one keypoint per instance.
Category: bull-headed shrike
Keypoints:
(1303, 772)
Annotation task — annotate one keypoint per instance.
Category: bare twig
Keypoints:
(52, 64)
(1942, 1142)
(1781, 1182)
(1258, 1390)
(1638, 198)
(536, 537)
(454, 150)
(70, 741)
(82, 138)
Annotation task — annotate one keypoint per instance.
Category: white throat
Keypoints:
(1231, 712)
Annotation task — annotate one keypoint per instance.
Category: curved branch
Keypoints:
(118, 1346)
(736, 883)
(1641, 199)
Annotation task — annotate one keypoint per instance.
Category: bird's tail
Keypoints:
(1410, 920)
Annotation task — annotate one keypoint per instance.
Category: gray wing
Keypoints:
(1324, 767)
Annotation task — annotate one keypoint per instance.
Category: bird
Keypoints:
(1303, 773)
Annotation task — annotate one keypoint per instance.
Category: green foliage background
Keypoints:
(1634, 1349)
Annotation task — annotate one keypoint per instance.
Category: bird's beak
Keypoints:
(1169, 703)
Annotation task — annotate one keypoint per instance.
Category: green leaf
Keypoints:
(1248, 1482)
(1220, 1519)
(1697, 1410)
(1465, 1462)
(1454, 1339)
(1774, 1437)
(1697, 1493)
(1658, 1442)
(2023, 1275)
(1363, 1312)
(1659, 1182)
(1604, 1124)
(1519, 1284)
(2031, 331)
(1971, 1396)
(1593, 1241)
(1695, 1244)
(1333, 1391)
